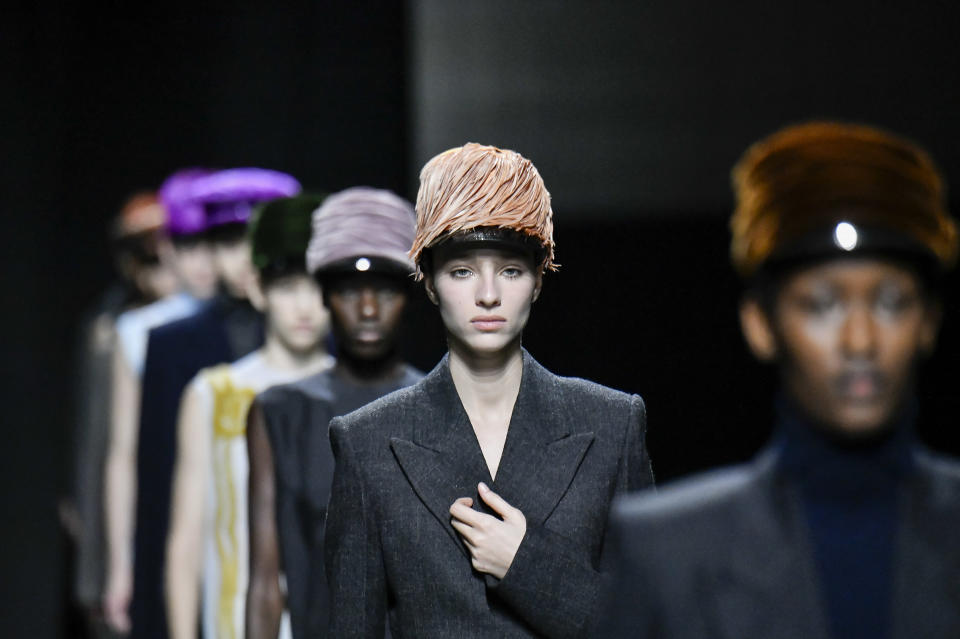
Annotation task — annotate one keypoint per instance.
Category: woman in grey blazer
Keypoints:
(474, 504)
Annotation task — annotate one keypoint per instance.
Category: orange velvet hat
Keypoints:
(818, 188)
(477, 187)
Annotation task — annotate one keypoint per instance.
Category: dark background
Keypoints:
(634, 113)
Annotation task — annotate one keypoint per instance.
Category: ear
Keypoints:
(758, 330)
(538, 286)
(431, 290)
(930, 328)
(255, 294)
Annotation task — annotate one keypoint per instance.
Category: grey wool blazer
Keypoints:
(727, 555)
(401, 462)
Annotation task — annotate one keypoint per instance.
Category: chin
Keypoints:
(862, 422)
(367, 351)
(302, 345)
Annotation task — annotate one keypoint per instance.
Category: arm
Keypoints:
(549, 583)
(352, 553)
(630, 601)
(121, 490)
(185, 540)
(264, 599)
(637, 472)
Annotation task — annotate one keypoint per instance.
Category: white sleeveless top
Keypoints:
(225, 393)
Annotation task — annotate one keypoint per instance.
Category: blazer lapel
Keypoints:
(543, 451)
(442, 460)
(927, 568)
(764, 583)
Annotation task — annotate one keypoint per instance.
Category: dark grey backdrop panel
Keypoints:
(643, 106)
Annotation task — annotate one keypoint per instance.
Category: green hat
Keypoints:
(280, 231)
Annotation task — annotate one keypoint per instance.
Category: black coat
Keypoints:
(176, 352)
(403, 460)
(728, 555)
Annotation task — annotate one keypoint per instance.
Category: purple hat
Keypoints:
(362, 228)
(200, 199)
(183, 217)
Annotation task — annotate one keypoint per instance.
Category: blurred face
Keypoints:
(366, 309)
(155, 281)
(234, 266)
(192, 263)
(484, 295)
(847, 335)
(295, 312)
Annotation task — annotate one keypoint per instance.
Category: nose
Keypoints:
(307, 299)
(859, 332)
(368, 304)
(488, 291)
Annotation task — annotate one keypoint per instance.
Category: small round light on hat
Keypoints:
(845, 236)
(362, 264)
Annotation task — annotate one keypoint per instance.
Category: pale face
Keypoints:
(484, 296)
(234, 266)
(295, 312)
(194, 268)
(847, 335)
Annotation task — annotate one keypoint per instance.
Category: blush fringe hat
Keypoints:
(477, 187)
(822, 188)
(362, 228)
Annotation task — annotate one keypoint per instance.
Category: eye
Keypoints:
(820, 303)
(512, 272)
(893, 300)
(460, 272)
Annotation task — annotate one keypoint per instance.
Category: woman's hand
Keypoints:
(492, 542)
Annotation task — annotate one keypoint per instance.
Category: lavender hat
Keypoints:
(200, 199)
(362, 228)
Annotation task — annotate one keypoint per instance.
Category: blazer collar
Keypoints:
(927, 568)
(749, 585)
(541, 455)
(765, 583)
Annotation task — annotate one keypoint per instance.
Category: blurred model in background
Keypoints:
(358, 254)
(184, 251)
(207, 555)
(137, 237)
(844, 527)
(223, 329)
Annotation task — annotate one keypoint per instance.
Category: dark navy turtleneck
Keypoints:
(850, 494)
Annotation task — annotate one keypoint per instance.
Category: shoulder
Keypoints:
(941, 470)
(576, 390)
(687, 504)
(184, 326)
(381, 416)
(316, 388)
(410, 376)
(584, 390)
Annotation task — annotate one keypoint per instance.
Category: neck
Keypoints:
(486, 382)
(277, 355)
(367, 371)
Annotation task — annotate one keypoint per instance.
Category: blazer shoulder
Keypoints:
(380, 417)
(688, 500)
(941, 469)
(583, 390)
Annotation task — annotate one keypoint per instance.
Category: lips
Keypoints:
(488, 323)
(861, 385)
(368, 335)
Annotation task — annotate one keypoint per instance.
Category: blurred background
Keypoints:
(633, 113)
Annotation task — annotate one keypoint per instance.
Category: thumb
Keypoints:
(496, 502)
